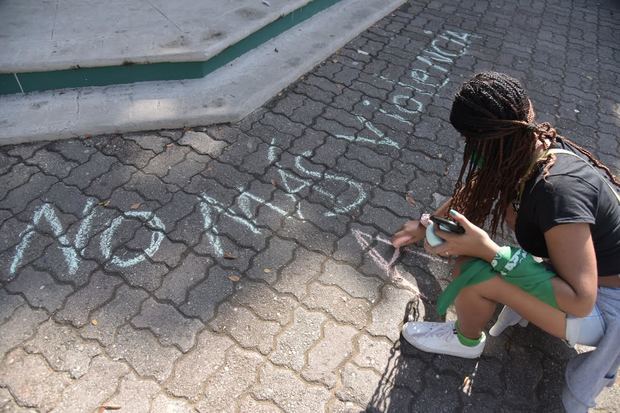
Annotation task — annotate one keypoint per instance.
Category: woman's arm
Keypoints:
(571, 251)
(570, 248)
(412, 232)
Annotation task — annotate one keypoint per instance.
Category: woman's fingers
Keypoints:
(411, 232)
(460, 219)
(402, 238)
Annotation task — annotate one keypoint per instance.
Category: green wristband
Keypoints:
(502, 257)
(507, 259)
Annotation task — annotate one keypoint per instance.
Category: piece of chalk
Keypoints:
(432, 239)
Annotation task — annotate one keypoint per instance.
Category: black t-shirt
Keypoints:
(572, 192)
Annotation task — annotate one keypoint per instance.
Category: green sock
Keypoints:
(466, 341)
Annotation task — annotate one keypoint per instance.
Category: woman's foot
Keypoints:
(441, 338)
(508, 317)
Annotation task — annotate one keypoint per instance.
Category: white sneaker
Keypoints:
(440, 338)
(508, 317)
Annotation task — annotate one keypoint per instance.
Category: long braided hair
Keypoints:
(493, 113)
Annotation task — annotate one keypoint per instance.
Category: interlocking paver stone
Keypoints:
(106, 320)
(63, 348)
(267, 304)
(435, 388)
(295, 340)
(204, 297)
(142, 351)
(232, 380)
(40, 289)
(202, 143)
(161, 164)
(51, 163)
(372, 352)
(18, 175)
(99, 383)
(18, 198)
(333, 349)
(150, 141)
(194, 368)
(134, 395)
(79, 304)
(295, 276)
(74, 150)
(83, 175)
(350, 280)
(8, 304)
(179, 281)
(20, 326)
(182, 172)
(248, 404)
(358, 385)
(145, 274)
(103, 186)
(170, 326)
(338, 304)
(126, 151)
(151, 187)
(288, 392)
(163, 403)
(248, 330)
(9, 405)
(388, 313)
(31, 381)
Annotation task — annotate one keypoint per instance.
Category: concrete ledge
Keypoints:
(45, 36)
(195, 63)
(226, 95)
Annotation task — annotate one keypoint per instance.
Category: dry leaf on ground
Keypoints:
(410, 199)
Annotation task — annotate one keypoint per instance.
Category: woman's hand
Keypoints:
(475, 242)
(410, 233)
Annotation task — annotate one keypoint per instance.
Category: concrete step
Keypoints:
(78, 43)
(226, 95)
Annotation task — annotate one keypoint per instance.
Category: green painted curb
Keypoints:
(11, 83)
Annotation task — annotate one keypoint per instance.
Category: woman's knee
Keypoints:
(490, 289)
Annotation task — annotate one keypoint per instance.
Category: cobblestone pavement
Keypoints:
(245, 267)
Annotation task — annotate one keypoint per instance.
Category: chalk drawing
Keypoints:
(438, 50)
(292, 185)
(420, 75)
(157, 236)
(392, 115)
(436, 57)
(286, 177)
(431, 64)
(26, 236)
(70, 253)
(464, 36)
(410, 86)
(210, 229)
(229, 212)
(344, 209)
(391, 271)
(380, 140)
(244, 203)
(402, 107)
(271, 152)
